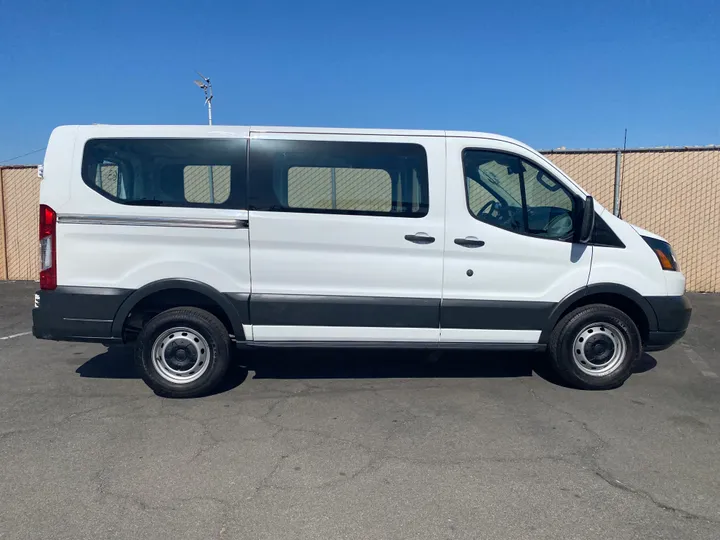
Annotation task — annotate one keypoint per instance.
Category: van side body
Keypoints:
(341, 237)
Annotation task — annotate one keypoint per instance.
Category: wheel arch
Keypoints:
(621, 297)
(227, 309)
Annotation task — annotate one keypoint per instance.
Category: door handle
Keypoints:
(469, 242)
(420, 238)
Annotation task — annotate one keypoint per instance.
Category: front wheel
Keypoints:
(183, 352)
(594, 347)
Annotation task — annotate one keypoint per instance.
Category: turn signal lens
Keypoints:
(664, 253)
(664, 261)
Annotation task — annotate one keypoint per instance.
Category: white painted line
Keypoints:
(15, 335)
(701, 364)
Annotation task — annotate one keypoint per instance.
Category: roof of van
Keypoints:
(217, 129)
(391, 132)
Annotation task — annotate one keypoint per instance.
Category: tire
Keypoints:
(192, 352)
(595, 347)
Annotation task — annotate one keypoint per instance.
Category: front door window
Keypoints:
(509, 192)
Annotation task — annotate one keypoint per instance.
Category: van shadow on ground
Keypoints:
(117, 363)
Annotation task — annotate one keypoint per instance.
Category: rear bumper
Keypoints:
(77, 313)
(673, 316)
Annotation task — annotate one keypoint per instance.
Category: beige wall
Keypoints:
(19, 223)
(3, 256)
(594, 172)
(675, 194)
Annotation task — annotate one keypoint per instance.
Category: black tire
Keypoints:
(570, 327)
(203, 323)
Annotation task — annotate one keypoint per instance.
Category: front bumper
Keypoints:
(77, 313)
(673, 317)
(659, 341)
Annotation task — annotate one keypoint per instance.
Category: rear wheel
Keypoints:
(183, 352)
(594, 347)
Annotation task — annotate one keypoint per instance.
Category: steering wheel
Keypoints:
(490, 208)
(559, 226)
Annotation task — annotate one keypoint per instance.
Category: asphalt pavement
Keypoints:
(356, 445)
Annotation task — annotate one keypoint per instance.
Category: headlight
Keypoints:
(664, 253)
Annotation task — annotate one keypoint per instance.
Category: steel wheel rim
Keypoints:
(598, 349)
(181, 355)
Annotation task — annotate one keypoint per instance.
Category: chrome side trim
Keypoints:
(147, 221)
(87, 320)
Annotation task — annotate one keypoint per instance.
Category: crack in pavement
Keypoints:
(608, 478)
(614, 482)
(174, 506)
(379, 454)
(72, 416)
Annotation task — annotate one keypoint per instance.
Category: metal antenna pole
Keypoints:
(206, 86)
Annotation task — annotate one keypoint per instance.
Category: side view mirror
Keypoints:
(587, 224)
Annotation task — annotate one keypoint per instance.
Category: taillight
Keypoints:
(48, 251)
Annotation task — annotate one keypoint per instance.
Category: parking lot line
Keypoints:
(15, 335)
(701, 364)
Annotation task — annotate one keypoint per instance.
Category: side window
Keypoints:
(493, 189)
(511, 193)
(338, 177)
(168, 172)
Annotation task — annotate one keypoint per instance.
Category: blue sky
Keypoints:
(550, 73)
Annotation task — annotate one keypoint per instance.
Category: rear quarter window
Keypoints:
(168, 172)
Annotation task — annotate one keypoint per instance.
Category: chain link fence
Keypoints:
(197, 182)
(674, 192)
(595, 172)
(327, 188)
(19, 196)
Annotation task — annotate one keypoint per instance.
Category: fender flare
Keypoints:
(216, 296)
(599, 288)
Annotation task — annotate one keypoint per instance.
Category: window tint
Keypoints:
(168, 172)
(338, 177)
(508, 192)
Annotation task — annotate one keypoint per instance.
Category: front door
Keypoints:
(346, 237)
(509, 251)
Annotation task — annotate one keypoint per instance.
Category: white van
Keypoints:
(189, 240)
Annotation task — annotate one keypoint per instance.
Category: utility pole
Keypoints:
(206, 87)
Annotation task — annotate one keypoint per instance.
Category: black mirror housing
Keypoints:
(587, 222)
